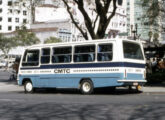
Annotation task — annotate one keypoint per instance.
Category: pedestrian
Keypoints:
(154, 65)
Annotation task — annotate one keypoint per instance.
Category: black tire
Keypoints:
(28, 87)
(86, 87)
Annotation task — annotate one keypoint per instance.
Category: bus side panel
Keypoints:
(73, 80)
(134, 76)
(32, 78)
(107, 80)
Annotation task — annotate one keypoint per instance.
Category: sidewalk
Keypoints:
(9, 87)
(154, 89)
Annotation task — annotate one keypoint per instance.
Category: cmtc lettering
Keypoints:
(63, 71)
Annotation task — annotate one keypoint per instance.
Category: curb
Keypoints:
(154, 89)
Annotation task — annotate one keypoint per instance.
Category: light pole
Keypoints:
(134, 31)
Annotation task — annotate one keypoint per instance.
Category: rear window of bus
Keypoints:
(132, 51)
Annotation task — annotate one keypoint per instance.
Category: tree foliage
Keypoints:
(154, 10)
(24, 37)
(52, 40)
(6, 44)
(102, 18)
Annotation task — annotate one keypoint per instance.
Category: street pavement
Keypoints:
(71, 105)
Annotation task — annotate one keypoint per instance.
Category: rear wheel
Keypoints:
(86, 87)
(28, 87)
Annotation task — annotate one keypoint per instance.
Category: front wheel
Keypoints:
(28, 87)
(86, 87)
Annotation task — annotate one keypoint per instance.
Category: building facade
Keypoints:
(13, 14)
(137, 22)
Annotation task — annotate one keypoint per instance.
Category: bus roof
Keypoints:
(77, 43)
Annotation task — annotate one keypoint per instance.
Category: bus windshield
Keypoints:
(132, 51)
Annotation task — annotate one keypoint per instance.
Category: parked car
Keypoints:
(2, 64)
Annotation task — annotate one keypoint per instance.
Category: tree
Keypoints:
(6, 44)
(52, 40)
(24, 37)
(154, 10)
(102, 18)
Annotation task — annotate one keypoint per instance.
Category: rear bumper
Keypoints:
(132, 82)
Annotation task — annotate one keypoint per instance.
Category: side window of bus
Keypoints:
(105, 52)
(31, 58)
(84, 53)
(62, 55)
(45, 56)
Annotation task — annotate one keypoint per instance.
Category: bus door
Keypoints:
(30, 67)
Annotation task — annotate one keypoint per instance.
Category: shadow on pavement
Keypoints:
(56, 111)
(100, 91)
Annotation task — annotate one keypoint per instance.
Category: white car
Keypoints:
(2, 64)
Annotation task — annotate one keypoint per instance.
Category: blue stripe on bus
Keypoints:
(73, 80)
(89, 65)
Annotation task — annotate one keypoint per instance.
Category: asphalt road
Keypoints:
(70, 105)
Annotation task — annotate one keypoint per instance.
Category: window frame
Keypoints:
(135, 44)
(94, 60)
(50, 60)
(52, 54)
(112, 52)
(25, 66)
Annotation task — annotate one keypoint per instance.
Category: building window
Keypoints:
(120, 2)
(0, 18)
(18, 11)
(17, 27)
(138, 18)
(9, 3)
(17, 20)
(0, 27)
(24, 20)
(9, 28)
(24, 4)
(16, 3)
(24, 12)
(0, 2)
(9, 19)
(0, 10)
(10, 10)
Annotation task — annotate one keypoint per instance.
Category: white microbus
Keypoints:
(83, 65)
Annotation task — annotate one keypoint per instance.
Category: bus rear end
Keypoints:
(134, 72)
